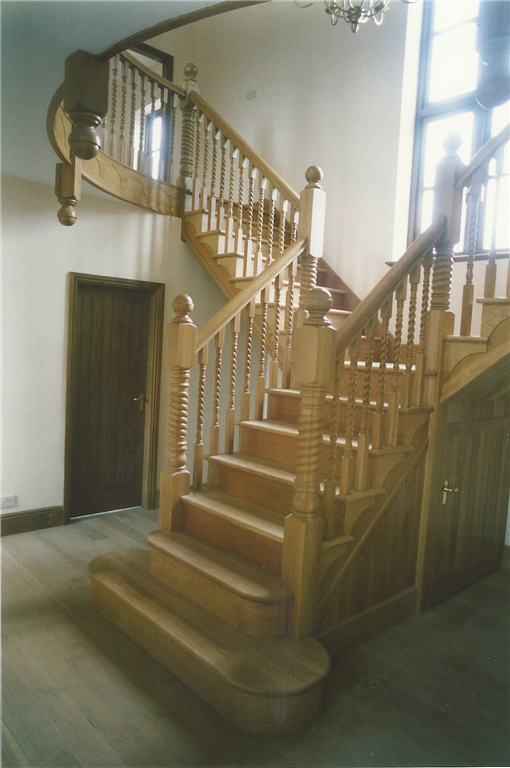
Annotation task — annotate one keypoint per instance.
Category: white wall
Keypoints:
(110, 238)
(324, 96)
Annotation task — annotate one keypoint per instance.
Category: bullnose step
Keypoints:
(264, 686)
(235, 590)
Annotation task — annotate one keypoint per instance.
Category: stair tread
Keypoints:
(262, 666)
(256, 466)
(249, 516)
(358, 400)
(239, 576)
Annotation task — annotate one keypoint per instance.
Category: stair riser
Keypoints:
(266, 445)
(213, 529)
(285, 408)
(252, 618)
(270, 493)
(253, 713)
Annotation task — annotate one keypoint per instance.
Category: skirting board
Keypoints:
(366, 624)
(31, 520)
(505, 563)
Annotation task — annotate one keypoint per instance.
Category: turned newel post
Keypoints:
(447, 203)
(180, 353)
(187, 162)
(303, 532)
(85, 101)
(312, 208)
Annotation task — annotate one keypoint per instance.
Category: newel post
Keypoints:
(180, 353)
(312, 210)
(447, 202)
(85, 101)
(186, 168)
(303, 529)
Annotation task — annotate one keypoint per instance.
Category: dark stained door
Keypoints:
(108, 379)
(471, 500)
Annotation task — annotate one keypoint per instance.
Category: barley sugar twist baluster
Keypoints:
(198, 459)
(473, 202)
(330, 486)
(378, 431)
(141, 136)
(229, 221)
(275, 363)
(261, 377)
(219, 343)
(248, 246)
(197, 176)
(123, 105)
(420, 357)
(414, 280)
(246, 397)
(283, 218)
(259, 256)
(164, 135)
(289, 324)
(132, 118)
(231, 411)
(364, 435)
(223, 180)
(347, 466)
(239, 232)
(270, 224)
(491, 269)
(113, 105)
(181, 343)
(213, 201)
(394, 396)
(204, 197)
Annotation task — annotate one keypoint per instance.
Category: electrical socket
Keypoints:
(8, 501)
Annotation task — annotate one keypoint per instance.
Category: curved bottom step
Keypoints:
(262, 685)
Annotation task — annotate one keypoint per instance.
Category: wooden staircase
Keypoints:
(313, 483)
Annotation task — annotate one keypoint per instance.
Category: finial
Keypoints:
(318, 302)
(314, 177)
(190, 72)
(67, 215)
(182, 305)
(451, 143)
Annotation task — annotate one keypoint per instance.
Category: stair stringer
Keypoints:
(482, 374)
(371, 583)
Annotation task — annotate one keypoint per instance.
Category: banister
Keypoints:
(483, 155)
(247, 151)
(243, 298)
(366, 310)
(153, 75)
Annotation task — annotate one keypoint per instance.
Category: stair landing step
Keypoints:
(238, 576)
(242, 513)
(262, 685)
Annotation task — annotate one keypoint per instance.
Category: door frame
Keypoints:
(156, 293)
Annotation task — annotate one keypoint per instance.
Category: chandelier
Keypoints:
(354, 13)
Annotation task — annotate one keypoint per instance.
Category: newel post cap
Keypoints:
(190, 78)
(181, 340)
(316, 341)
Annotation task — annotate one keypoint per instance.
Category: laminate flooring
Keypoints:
(432, 691)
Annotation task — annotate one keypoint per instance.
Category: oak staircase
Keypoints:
(302, 519)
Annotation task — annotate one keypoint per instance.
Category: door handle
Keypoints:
(140, 400)
(446, 491)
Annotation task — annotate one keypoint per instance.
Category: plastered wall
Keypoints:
(110, 238)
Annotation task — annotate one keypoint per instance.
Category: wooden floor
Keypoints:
(433, 691)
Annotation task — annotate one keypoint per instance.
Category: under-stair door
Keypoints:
(109, 388)
(469, 511)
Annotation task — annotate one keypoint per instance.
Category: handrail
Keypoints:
(482, 156)
(269, 173)
(245, 296)
(153, 75)
(365, 311)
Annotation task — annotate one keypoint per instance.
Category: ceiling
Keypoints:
(36, 38)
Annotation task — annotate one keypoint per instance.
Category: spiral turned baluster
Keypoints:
(248, 245)
(414, 280)
(275, 363)
(330, 486)
(113, 106)
(198, 458)
(394, 396)
(141, 134)
(346, 473)
(219, 343)
(261, 379)
(361, 480)
(246, 397)
(378, 431)
(231, 411)
(420, 357)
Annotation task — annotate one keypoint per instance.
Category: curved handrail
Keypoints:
(483, 156)
(153, 75)
(247, 151)
(247, 294)
(367, 308)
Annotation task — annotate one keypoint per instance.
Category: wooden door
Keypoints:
(470, 503)
(108, 391)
